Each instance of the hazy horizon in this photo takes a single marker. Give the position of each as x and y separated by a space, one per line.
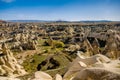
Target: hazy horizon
55 20
66 10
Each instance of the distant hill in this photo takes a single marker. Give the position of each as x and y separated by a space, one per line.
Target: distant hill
28 21
57 21
1 21
95 21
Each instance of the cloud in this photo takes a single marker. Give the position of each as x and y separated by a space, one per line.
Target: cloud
7 1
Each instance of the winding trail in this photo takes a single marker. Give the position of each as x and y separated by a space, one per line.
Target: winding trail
23 55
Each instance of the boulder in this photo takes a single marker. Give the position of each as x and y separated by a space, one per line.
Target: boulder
58 77
39 75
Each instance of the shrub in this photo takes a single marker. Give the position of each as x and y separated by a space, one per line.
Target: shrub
46 43
58 44
54 44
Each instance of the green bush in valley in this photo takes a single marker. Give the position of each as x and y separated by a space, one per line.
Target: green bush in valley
54 44
58 44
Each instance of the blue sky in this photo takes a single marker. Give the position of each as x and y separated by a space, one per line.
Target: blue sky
73 10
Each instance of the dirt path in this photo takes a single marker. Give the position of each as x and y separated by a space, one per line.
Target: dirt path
23 55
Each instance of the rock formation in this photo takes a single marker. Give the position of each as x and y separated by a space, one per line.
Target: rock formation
96 74
96 67
24 42
73 48
113 44
8 78
58 77
39 75
8 64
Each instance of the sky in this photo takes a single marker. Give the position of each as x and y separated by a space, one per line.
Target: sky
70 10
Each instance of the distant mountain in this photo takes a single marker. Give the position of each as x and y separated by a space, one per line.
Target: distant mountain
87 21
27 21
36 21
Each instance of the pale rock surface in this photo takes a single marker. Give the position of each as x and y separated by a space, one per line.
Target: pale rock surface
8 78
97 67
8 64
39 75
81 63
96 74
58 77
